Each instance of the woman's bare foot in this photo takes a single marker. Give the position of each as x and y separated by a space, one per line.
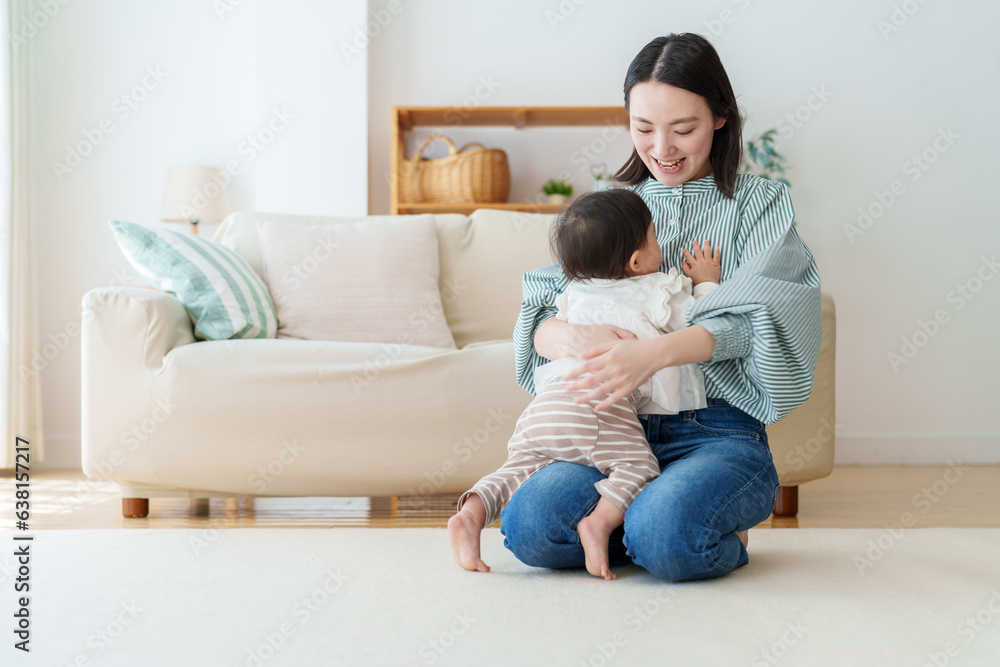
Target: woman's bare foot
464 530
595 531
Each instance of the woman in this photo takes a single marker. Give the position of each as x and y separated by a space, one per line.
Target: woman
756 337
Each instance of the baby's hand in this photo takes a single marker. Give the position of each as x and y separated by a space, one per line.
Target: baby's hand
703 265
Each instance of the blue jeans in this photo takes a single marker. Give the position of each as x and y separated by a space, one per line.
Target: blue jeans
717 478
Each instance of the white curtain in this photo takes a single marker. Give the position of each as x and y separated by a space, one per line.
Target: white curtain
20 391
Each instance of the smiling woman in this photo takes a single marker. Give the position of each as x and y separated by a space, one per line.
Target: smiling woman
756 337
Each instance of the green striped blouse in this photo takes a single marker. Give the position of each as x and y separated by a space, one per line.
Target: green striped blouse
766 316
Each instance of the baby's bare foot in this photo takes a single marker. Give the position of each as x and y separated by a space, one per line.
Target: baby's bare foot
463 532
594 535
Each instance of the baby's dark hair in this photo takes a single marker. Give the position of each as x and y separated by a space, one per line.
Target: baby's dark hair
596 235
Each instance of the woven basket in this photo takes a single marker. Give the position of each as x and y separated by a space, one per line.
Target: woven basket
479 176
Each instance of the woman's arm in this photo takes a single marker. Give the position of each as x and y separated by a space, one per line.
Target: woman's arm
555 338
621 367
539 337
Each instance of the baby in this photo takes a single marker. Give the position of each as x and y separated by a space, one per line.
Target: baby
606 244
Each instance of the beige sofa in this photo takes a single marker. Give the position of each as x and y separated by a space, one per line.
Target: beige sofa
164 415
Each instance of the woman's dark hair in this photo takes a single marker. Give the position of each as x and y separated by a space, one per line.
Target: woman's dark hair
690 62
596 235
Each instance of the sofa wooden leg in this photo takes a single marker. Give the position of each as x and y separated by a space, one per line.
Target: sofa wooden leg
198 506
135 508
786 503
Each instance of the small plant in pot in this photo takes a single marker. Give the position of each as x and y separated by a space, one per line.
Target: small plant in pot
558 192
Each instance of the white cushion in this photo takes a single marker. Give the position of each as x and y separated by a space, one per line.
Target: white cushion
374 281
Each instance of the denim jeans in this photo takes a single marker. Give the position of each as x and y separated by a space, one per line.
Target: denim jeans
717 478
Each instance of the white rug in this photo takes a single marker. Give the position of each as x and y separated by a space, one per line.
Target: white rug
357 596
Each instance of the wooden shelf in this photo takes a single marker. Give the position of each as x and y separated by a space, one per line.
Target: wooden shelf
458 207
405 119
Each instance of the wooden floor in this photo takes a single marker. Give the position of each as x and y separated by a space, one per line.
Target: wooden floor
851 497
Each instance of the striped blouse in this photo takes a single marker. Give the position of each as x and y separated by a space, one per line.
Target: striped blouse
766 316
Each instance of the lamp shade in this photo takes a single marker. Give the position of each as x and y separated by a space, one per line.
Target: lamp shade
195 193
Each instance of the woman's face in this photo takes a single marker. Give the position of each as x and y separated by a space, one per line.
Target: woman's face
672 131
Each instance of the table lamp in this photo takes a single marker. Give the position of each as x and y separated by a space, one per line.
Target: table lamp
194 194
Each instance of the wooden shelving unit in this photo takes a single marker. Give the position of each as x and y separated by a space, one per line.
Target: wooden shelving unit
405 119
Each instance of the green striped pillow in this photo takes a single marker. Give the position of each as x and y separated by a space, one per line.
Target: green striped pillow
225 297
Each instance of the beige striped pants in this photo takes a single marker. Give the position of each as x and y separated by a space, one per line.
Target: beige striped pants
554 428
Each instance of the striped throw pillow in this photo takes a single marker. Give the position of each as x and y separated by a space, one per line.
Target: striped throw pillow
224 296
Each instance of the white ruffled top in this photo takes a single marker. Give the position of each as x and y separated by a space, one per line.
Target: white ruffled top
648 306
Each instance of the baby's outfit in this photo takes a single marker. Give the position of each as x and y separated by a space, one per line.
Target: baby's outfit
554 428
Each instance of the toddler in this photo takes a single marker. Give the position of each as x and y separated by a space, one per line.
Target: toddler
606 244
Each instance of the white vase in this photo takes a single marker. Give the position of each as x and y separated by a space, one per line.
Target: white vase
557 199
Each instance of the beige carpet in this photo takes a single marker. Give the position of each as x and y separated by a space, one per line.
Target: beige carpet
355 596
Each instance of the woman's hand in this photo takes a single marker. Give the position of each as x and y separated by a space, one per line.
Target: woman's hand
616 368
619 368
555 338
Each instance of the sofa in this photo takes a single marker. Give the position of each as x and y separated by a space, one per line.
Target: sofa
167 415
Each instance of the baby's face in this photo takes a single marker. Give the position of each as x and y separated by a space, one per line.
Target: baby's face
649 256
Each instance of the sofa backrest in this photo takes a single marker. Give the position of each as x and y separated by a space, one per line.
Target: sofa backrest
482 259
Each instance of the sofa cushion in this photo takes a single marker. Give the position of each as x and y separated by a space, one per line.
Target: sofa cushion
373 281
223 295
483 260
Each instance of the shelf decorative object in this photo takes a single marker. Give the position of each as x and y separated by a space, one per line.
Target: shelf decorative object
405 119
478 176
557 192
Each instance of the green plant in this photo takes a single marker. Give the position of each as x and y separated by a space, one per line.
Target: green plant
760 157
554 187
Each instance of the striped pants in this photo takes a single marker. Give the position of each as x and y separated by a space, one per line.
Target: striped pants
554 428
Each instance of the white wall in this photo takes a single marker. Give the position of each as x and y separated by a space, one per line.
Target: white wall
222 76
889 98
879 95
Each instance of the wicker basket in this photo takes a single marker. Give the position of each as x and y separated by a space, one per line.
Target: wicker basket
479 176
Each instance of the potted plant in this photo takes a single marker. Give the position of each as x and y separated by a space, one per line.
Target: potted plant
762 158
557 191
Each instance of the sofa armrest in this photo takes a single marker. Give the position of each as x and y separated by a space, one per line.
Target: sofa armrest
126 333
804 440
141 324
